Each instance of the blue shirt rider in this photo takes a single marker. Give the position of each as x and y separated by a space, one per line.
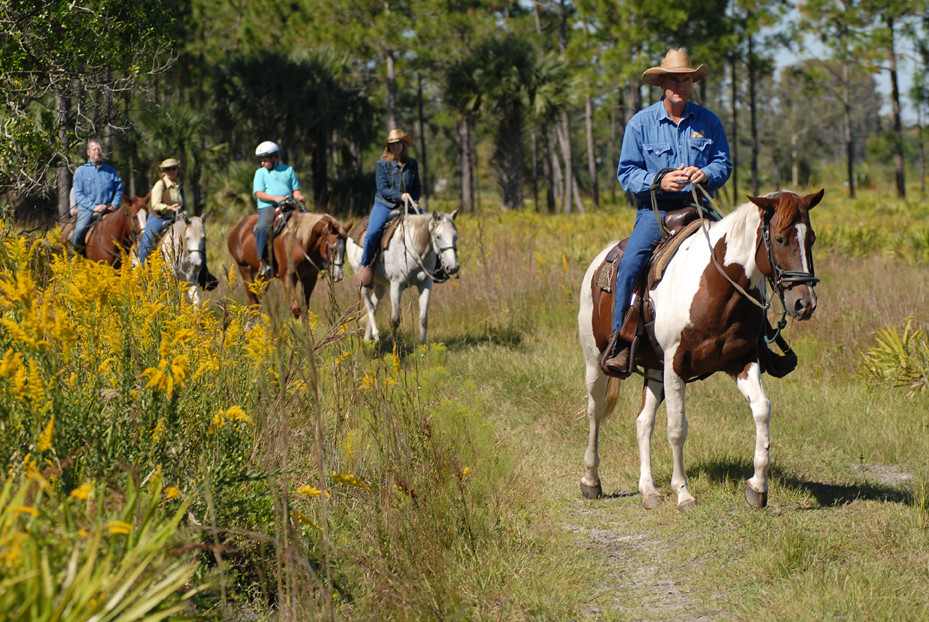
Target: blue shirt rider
673 133
97 188
273 184
397 178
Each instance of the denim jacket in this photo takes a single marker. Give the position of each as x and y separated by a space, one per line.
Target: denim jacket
652 141
393 180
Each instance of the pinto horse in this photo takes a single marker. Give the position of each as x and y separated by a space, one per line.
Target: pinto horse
184 250
421 244
309 244
707 318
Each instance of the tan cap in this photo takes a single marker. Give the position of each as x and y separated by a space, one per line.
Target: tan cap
675 61
169 163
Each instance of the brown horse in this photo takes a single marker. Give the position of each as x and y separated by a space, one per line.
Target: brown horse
114 233
309 244
707 317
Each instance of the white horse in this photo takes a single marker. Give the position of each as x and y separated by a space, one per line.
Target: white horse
412 257
707 318
184 250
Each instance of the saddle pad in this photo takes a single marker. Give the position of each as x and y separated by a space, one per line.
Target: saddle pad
665 253
605 277
360 230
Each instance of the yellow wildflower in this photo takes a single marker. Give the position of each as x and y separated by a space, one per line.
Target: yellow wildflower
25 509
538 257
119 527
45 438
235 413
172 493
159 430
309 491
303 518
82 492
349 480
465 471
218 422
564 263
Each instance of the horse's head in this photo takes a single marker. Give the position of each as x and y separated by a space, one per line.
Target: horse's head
444 235
788 240
333 249
195 243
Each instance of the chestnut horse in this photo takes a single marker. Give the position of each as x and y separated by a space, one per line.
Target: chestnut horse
114 233
707 318
309 244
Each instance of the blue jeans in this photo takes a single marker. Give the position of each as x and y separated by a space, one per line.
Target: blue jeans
265 216
645 237
154 225
378 219
81 226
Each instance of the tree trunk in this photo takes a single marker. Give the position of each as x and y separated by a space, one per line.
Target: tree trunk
556 176
592 154
734 143
465 184
423 159
508 157
62 172
847 123
564 136
391 91
899 170
753 112
534 146
795 159
547 170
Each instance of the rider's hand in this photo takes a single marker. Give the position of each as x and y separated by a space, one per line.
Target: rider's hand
674 181
696 175
100 208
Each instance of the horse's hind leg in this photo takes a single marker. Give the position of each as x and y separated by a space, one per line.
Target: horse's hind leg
370 301
749 383
652 396
677 434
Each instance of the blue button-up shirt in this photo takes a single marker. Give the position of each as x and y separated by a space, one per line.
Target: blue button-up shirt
280 181
653 141
393 179
97 185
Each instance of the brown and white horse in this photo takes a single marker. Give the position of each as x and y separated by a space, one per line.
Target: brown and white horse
309 244
704 324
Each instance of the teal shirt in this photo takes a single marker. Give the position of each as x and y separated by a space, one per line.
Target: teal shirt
279 181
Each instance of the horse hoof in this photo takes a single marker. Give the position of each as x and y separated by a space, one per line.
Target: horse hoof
687 506
755 499
592 492
652 501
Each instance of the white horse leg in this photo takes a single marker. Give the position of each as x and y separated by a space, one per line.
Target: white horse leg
652 396
370 297
194 293
396 291
599 405
749 383
425 291
677 435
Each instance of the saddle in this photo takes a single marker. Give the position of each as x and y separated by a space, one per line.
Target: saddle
360 231
282 215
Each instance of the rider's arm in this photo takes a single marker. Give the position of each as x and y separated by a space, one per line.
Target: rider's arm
720 165
632 172
383 188
117 199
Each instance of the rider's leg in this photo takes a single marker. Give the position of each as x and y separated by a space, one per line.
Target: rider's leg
376 223
81 226
645 236
265 216
153 227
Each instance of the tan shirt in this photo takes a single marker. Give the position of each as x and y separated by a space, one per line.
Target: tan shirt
175 192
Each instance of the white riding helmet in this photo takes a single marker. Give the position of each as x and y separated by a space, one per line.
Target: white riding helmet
267 148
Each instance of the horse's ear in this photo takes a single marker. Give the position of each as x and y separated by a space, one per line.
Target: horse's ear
766 203
812 200
436 215
454 214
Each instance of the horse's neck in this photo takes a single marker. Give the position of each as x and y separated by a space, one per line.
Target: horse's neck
740 232
416 234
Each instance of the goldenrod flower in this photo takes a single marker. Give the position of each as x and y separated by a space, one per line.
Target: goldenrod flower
303 518
25 509
45 438
309 491
119 527
235 413
172 493
349 480
465 471
82 492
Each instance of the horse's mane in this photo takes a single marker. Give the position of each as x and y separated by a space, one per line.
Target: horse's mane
302 224
739 226
419 232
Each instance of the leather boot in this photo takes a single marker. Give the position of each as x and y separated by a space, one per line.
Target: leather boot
365 277
615 360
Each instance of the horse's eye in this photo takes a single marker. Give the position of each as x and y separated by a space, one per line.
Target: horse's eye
780 240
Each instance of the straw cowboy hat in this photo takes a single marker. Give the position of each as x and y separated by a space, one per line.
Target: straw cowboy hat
170 162
397 136
675 61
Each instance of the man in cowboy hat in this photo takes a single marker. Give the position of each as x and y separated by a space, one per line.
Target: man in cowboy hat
673 134
397 178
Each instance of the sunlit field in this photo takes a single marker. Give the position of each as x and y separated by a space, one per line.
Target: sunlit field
233 463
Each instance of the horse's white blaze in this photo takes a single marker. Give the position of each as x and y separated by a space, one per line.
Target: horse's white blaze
801 238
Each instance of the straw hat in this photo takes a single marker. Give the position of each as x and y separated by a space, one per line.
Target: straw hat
170 162
675 61
397 136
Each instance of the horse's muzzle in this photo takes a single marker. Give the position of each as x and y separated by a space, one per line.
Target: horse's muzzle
800 302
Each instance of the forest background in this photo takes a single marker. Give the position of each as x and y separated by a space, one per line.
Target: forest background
511 103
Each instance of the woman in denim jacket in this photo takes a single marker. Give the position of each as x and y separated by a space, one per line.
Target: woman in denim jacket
397 184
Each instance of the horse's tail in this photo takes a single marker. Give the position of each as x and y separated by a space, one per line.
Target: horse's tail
613 386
